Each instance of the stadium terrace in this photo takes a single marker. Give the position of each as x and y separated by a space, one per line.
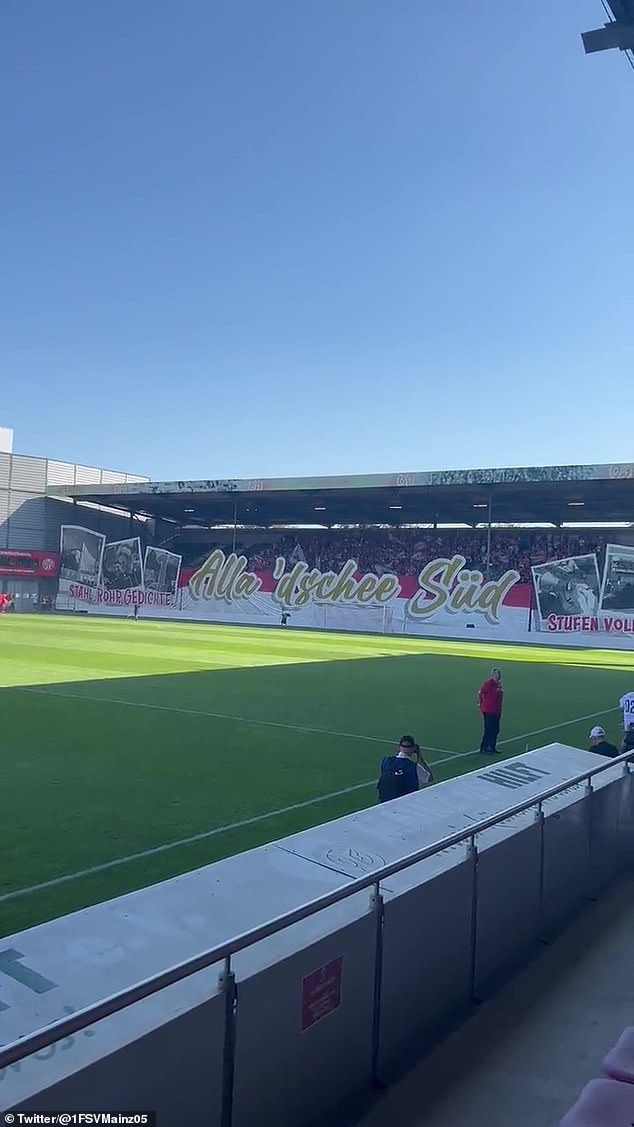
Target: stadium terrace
509 554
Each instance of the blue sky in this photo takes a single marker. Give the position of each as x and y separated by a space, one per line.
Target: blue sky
314 236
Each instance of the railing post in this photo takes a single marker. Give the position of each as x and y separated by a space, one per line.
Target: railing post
227 983
377 906
539 818
590 798
472 855
626 831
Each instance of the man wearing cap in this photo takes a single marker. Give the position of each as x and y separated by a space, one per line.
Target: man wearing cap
599 744
403 773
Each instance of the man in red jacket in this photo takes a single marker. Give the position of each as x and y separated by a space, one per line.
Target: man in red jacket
490 698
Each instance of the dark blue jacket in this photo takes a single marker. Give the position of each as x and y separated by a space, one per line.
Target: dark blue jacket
407 783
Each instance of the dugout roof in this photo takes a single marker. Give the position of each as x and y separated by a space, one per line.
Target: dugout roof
534 494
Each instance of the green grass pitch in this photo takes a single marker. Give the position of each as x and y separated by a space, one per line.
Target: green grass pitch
121 739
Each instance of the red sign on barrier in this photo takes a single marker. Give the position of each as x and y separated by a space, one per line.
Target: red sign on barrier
321 993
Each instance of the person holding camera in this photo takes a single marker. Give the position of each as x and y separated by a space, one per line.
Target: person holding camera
403 773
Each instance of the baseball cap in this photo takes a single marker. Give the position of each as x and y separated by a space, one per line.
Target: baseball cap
596 732
407 741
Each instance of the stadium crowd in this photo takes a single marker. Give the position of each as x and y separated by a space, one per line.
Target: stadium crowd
405 551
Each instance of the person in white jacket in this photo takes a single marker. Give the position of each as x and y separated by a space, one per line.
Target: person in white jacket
626 703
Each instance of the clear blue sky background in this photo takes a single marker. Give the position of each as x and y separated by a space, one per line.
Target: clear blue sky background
262 237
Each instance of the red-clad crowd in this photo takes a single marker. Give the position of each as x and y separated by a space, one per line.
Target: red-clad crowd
406 551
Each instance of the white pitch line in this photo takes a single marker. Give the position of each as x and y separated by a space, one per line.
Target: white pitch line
93 870
204 835
216 716
167 846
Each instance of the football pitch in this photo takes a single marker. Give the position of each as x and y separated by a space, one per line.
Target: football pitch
134 751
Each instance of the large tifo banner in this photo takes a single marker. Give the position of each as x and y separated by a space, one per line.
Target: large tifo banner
95 575
446 598
573 597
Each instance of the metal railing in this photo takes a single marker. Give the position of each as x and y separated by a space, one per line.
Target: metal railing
223 952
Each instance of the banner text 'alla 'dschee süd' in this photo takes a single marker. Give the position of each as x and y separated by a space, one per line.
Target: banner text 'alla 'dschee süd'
442 583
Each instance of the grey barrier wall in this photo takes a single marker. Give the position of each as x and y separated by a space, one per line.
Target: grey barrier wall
288 1065
304 1020
626 821
170 1063
507 923
427 978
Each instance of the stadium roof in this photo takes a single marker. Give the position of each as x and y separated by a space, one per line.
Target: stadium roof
534 494
618 32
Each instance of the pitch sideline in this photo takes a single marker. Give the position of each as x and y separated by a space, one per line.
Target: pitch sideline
166 847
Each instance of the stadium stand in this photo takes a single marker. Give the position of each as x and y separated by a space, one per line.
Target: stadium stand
385 971
405 551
